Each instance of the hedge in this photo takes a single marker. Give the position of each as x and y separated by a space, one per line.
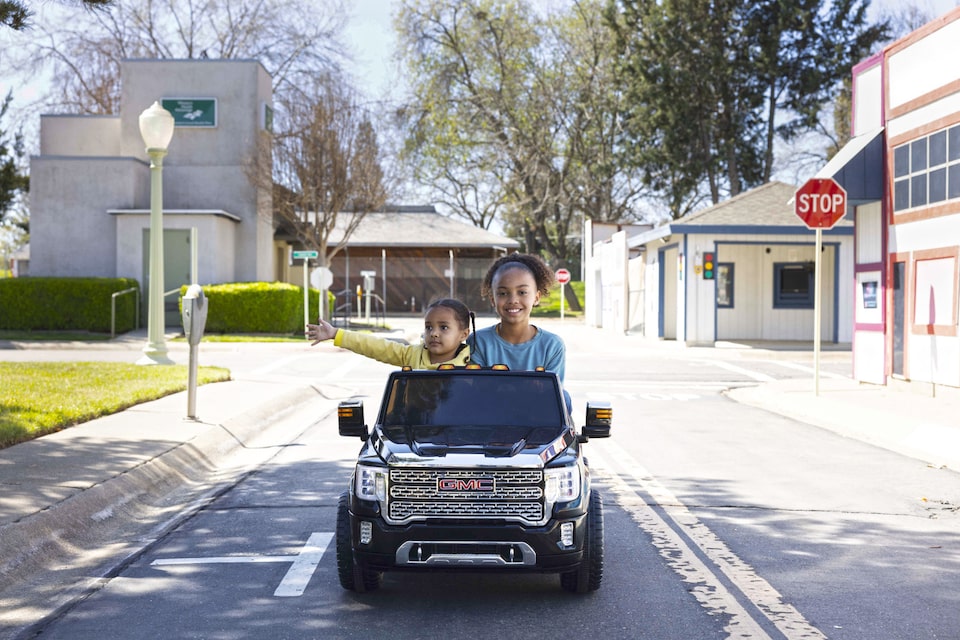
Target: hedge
78 304
83 304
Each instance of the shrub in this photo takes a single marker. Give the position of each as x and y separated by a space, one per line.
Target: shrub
54 304
256 307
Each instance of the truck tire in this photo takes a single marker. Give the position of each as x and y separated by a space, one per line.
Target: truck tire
353 577
587 577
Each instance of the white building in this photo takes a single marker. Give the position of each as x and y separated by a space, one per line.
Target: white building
760 287
892 288
906 100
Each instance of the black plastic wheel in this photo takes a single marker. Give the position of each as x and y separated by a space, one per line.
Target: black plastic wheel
353 577
587 576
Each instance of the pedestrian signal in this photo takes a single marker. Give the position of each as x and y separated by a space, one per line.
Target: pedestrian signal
709 266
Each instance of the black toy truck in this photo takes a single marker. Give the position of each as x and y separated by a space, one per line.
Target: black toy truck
471 469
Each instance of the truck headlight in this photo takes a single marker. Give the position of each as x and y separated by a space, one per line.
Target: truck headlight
371 483
562 484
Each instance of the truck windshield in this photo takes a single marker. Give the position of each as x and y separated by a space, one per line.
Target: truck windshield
482 400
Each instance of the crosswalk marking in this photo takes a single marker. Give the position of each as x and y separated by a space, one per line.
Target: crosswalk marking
294 583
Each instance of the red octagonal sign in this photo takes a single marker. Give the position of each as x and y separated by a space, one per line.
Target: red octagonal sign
820 203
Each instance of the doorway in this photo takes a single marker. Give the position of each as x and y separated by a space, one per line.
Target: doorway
176 271
899 315
669 275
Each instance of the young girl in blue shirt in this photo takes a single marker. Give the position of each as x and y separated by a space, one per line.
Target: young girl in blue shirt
514 284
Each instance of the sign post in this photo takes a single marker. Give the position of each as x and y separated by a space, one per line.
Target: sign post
820 203
563 277
306 256
321 279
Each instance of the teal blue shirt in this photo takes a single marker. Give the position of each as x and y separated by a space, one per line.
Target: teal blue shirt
545 350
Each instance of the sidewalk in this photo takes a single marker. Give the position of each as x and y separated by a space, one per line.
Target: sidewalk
907 422
63 495
81 500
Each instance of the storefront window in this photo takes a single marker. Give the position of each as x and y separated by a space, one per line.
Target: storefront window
793 285
927 170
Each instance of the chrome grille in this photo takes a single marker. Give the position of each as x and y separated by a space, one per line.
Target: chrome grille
424 492
517 495
430 476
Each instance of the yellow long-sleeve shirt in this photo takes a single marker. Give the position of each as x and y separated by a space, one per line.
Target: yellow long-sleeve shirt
415 356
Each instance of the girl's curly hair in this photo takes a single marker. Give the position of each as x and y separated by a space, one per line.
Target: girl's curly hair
542 274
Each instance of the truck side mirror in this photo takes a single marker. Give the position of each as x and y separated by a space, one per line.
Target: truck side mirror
350 419
599 419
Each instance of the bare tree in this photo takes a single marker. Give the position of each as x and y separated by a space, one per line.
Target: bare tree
327 167
83 53
513 117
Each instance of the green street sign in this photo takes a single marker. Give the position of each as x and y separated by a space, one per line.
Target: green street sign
192 112
305 255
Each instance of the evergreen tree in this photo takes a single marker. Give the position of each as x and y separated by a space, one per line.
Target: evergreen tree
13 180
714 83
16 15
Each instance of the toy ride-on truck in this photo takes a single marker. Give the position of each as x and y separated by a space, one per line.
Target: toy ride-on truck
471 470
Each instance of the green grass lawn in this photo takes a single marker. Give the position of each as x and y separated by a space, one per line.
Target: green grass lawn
37 398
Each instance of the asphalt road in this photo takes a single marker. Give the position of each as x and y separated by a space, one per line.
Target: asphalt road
722 520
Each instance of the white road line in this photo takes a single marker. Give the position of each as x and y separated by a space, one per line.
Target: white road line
295 582
165 562
671 397
801 367
759 377
276 364
707 588
647 384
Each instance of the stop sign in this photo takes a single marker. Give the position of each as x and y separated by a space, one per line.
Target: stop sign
563 276
820 203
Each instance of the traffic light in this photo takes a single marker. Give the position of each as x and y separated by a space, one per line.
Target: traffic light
709 266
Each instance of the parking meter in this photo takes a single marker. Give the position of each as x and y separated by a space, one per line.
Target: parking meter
194 320
194 314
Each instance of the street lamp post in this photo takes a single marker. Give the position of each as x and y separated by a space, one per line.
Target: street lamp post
156 128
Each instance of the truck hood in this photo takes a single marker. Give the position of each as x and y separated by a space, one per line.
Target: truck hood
449 448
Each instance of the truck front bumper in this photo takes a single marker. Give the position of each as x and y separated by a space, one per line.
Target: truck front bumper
467 545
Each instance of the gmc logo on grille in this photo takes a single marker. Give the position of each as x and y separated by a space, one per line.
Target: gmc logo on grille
460 484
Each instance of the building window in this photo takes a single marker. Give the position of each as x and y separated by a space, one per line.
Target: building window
927 170
793 285
725 285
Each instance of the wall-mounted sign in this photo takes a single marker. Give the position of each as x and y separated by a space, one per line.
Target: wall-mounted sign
266 117
869 294
192 112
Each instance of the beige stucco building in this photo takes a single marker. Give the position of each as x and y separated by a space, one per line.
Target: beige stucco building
90 184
